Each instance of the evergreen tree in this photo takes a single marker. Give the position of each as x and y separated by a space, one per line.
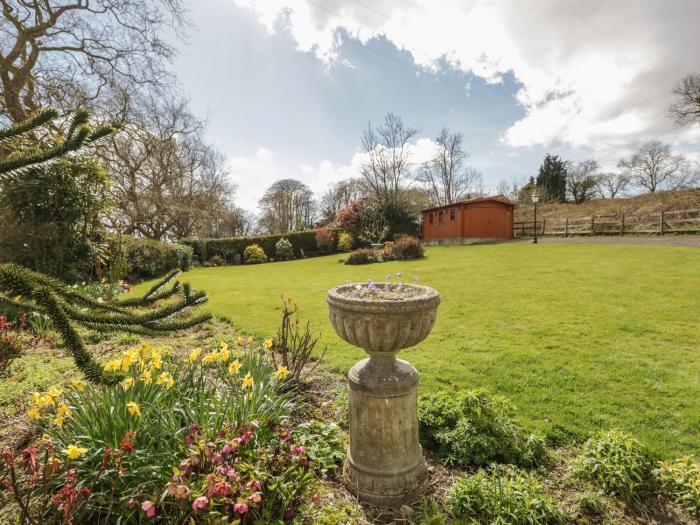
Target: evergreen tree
551 179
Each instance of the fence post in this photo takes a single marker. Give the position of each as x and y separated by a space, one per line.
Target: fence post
622 224
592 225
661 223
566 227
522 229
544 222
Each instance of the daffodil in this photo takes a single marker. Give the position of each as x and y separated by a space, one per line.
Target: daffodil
128 383
34 414
112 365
223 345
17 298
146 376
224 355
194 355
58 421
78 385
234 367
144 350
248 381
156 360
133 408
44 400
54 392
165 379
211 357
74 451
63 410
239 340
250 340
282 372
268 344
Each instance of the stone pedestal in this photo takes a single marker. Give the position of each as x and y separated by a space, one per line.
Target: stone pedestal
385 464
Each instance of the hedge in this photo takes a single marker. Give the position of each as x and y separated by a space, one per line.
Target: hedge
205 249
146 258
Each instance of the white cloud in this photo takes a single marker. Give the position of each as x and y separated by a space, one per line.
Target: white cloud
263 153
594 74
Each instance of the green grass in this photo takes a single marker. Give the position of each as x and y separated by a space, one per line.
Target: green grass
578 337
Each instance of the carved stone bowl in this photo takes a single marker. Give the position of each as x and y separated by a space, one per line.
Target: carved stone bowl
383 326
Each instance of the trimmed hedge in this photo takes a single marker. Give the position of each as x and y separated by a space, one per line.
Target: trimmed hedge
146 258
205 249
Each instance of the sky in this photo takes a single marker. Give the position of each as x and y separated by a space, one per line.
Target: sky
288 86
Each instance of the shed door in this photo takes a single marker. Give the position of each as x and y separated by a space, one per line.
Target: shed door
487 222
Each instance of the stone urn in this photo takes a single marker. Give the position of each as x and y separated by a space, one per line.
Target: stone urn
384 464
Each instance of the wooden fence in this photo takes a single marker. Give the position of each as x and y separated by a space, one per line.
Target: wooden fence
662 223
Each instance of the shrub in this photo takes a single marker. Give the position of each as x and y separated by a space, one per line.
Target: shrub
680 479
284 249
503 495
254 254
345 242
145 258
204 438
406 247
616 464
592 503
12 344
294 344
324 240
324 445
205 249
362 256
388 253
217 260
473 428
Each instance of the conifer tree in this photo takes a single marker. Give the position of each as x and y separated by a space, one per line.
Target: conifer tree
67 308
551 179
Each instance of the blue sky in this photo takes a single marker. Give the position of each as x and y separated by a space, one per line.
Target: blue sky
288 86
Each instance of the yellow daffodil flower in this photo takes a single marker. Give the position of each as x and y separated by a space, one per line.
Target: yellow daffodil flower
63 410
74 451
250 340
223 345
268 344
211 357
282 372
112 365
128 383
133 409
78 385
54 392
44 400
194 355
34 414
248 381
224 355
147 377
156 360
234 367
58 421
17 298
165 379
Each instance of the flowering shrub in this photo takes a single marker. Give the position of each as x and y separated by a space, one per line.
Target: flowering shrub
324 240
284 249
254 254
349 217
345 242
205 437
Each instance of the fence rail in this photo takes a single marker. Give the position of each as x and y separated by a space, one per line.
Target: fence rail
662 223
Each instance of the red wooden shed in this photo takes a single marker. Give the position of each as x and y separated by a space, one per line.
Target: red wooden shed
482 218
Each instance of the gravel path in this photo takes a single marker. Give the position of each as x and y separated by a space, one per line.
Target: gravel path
690 241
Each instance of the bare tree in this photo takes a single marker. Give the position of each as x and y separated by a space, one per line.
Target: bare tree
685 109
582 181
612 184
234 222
67 53
167 182
509 189
388 159
338 195
286 206
446 177
655 167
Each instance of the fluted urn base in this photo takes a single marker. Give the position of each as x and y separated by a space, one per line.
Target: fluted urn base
385 464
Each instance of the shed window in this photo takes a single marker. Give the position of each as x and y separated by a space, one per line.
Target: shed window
453 214
440 216
430 218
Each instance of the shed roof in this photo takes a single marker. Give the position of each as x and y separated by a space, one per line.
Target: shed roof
497 198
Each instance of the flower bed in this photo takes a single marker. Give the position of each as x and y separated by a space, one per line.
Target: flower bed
203 438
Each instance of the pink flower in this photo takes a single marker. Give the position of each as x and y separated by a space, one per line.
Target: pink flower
148 507
289 514
316 498
200 503
254 483
240 508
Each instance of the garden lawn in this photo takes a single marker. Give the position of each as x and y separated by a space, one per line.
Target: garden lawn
578 337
